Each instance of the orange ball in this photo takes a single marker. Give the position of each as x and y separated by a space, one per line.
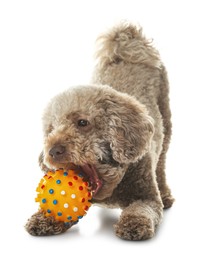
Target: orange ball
64 195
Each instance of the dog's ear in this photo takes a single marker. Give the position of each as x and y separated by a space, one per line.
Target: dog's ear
41 163
130 128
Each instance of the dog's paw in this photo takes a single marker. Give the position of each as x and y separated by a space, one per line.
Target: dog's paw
134 228
40 225
168 201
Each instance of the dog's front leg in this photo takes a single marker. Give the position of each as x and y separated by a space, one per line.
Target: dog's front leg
139 220
144 212
40 225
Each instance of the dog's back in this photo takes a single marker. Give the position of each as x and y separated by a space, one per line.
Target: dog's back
128 62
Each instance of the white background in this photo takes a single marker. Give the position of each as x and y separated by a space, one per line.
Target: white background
46 46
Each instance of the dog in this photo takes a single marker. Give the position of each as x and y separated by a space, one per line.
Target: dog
117 130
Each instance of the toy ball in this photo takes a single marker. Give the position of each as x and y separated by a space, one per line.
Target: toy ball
64 195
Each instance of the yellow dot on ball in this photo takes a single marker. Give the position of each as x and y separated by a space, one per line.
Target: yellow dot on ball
66 205
73 196
75 209
63 192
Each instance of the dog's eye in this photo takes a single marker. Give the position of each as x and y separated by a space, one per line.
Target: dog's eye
83 122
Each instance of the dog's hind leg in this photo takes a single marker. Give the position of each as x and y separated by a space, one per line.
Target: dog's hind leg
163 103
165 191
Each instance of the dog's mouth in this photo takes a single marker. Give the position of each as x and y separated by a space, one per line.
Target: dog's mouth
91 176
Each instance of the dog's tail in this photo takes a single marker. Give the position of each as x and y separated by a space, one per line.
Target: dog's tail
126 42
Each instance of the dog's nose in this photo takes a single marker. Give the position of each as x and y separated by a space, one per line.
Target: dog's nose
57 151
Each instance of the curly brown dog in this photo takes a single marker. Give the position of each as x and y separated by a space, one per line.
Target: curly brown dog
118 131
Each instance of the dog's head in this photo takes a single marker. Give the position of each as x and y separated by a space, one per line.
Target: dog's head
99 130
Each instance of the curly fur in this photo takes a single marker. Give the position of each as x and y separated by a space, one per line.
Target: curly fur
126 43
127 107
40 225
